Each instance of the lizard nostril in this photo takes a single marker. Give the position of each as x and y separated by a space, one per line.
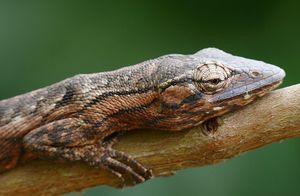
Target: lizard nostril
254 74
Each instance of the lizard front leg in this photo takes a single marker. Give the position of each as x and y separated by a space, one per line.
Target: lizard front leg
69 139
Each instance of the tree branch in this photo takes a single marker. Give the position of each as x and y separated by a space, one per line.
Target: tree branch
270 119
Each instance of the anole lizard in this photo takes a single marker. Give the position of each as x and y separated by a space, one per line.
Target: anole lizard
76 119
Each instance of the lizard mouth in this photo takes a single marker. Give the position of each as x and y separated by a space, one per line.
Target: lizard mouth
264 90
257 87
248 97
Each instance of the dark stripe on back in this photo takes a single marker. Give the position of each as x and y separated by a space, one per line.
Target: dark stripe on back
67 98
103 96
124 111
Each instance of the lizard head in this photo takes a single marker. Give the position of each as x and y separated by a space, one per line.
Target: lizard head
225 76
211 82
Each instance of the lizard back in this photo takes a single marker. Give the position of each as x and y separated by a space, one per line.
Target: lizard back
69 98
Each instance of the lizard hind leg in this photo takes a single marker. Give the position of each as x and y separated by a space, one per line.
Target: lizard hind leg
56 140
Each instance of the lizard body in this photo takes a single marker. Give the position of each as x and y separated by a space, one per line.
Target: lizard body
76 119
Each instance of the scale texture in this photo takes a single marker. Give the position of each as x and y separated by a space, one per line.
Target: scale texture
79 119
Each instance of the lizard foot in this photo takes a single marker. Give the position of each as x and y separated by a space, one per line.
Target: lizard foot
121 164
125 167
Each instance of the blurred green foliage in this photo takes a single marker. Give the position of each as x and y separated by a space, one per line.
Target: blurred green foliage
42 42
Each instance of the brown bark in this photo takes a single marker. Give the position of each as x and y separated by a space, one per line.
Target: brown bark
270 119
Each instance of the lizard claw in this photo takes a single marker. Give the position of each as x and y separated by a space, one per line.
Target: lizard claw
124 167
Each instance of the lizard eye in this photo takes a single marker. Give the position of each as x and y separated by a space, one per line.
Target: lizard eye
211 77
214 81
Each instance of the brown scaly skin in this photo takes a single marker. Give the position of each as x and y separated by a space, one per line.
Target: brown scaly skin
76 119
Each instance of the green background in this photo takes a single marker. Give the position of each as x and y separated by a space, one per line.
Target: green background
43 42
